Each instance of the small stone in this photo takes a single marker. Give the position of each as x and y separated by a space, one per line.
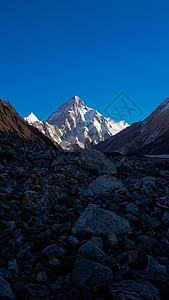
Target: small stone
112 239
132 208
147 241
165 218
13 266
54 262
128 257
42 277
11 225
55 227
24 249
34 291
154 266
143 200
73 241
54 288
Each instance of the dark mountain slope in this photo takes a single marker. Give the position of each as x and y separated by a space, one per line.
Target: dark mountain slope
10 121
150 136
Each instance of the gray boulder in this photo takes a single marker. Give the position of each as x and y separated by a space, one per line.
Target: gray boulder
5 290
96 221
97 161
105 185
89 273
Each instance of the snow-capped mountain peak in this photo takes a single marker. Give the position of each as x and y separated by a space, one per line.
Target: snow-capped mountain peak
31 118
74 125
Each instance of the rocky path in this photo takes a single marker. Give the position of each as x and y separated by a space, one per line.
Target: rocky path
82 226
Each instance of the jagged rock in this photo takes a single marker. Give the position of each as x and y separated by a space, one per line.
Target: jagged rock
143 200
96 161
112 239
128 257
162 249
13 266
154 266
132 208
6 292
165 218
89 273
24 249
98 222
73 241
42 277
147 241
53 251
92 250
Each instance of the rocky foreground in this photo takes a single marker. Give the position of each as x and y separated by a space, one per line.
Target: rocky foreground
80 225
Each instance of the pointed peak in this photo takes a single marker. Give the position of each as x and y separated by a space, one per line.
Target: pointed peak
75 99
31 118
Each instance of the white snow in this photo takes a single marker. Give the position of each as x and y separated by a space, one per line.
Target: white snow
31 118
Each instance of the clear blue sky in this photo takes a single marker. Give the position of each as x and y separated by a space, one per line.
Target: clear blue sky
52 50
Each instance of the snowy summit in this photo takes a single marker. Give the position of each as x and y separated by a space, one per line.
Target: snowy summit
74 125
31 118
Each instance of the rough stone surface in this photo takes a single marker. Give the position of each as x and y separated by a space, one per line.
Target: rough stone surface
97 161
61 240
105 185
98 222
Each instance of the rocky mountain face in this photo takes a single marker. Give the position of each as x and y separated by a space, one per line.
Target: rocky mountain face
75 126
148 137
82 225
10 121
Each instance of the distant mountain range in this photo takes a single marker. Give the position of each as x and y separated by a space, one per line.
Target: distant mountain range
75 126
151 136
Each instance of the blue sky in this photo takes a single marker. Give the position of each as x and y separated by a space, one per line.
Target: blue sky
52 50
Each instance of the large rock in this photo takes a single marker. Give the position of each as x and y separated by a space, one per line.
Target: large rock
6 292
96 221
135 290
89 273
97 161
105 185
